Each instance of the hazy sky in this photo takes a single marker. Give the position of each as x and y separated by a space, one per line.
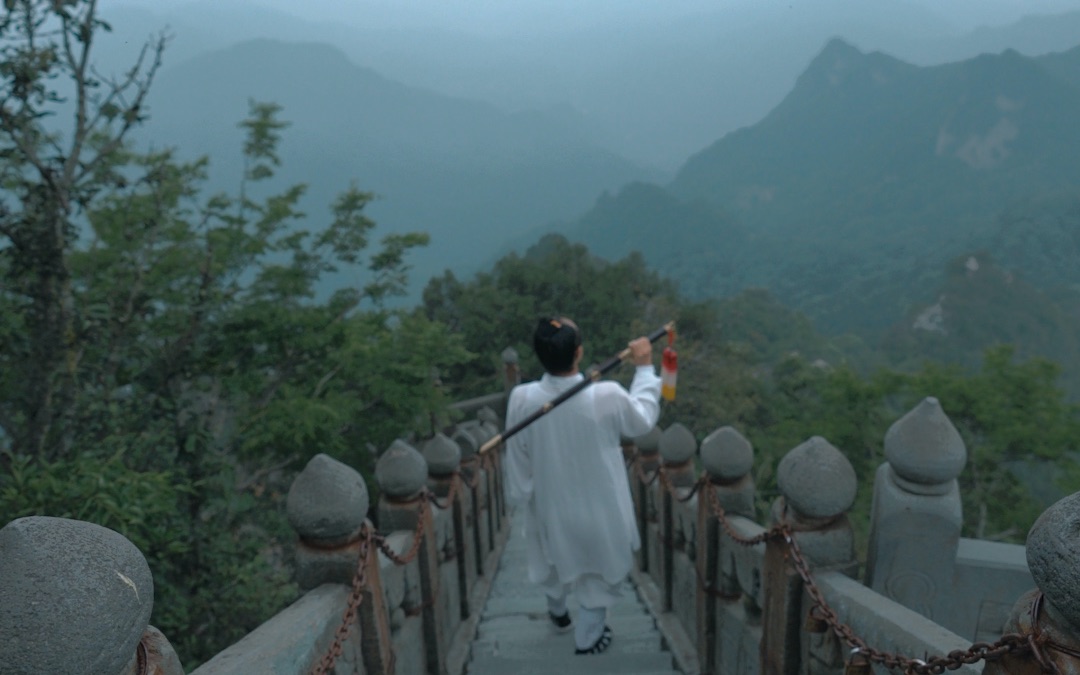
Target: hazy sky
500 17
656 79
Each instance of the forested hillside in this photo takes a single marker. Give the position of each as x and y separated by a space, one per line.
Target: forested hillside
850 199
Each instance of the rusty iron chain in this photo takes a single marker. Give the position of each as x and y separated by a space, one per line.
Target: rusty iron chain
447 501
665 479
1012 643
142 658
359 582
648 480
418 538
356 596
474 464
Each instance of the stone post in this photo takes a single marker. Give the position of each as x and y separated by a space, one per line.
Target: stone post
76 597
648 461
402 475
1052 611
327 505
511 369
483 432
677 448
443 457
916 515
470 473
817 485
486 503
727 458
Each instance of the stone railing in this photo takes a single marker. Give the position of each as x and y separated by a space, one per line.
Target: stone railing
413 591
785 599
734 596
405 601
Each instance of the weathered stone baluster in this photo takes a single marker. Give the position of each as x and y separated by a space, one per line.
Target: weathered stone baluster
402 474
76 597
492 425
485 431
473 429
327 506
470 473
677 448
727 458
648 461
817 485
916 516
511 370
443 457
1050 612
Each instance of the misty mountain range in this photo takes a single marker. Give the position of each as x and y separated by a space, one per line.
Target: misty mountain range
844 186
848 199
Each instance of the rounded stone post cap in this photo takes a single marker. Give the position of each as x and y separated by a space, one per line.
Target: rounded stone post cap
727 454
677 444
509 355
924 447
469 446
73 593
443 456
649 442
401 472
1053 555
327 500
488 416
816 479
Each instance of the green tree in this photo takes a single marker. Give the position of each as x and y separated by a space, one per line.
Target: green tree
166 361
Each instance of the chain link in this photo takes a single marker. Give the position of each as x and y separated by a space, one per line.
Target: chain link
359 582
326 664
447 501
1012 643
665 479
418 538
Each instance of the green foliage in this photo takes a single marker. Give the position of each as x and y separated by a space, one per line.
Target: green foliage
752 363
167 364
611 302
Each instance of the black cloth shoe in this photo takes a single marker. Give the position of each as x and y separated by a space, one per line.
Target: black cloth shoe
561 623
602 643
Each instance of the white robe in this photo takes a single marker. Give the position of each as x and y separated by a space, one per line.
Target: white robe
567 470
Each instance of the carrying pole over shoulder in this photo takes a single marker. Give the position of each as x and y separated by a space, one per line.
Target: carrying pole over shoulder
593 375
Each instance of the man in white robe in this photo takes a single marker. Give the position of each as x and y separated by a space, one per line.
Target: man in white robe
566 473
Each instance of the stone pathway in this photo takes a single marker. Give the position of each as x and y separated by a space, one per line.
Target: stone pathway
514 636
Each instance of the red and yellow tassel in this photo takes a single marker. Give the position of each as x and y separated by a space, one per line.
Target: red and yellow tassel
669 369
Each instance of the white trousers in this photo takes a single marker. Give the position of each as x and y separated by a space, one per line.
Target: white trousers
594 596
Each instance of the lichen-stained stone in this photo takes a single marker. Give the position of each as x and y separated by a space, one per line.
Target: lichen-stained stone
816 479
1053 555
401 472
726 454
328 500
443 456
76 597
677 445
924 447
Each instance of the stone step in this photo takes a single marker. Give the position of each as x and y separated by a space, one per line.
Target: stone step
524 624
509 605
572 664
515 635
537 645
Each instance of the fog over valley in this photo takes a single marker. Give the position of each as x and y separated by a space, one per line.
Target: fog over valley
839 154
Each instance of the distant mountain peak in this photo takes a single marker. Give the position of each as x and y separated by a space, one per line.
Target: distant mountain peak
840 63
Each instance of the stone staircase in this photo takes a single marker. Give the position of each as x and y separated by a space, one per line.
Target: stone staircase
515 637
